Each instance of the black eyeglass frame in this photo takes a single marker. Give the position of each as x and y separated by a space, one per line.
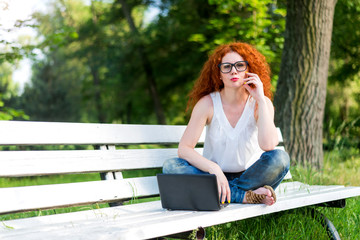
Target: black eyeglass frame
233 65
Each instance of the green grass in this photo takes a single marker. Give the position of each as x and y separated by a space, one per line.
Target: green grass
296 224
339 168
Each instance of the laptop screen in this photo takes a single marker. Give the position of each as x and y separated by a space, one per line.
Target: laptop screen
189 192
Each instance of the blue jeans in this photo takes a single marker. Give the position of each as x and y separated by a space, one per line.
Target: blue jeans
270 170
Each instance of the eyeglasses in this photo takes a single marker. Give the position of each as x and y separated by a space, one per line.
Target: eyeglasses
240 66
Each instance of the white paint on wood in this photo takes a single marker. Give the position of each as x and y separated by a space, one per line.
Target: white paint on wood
280 138
118 175
288 175
55 133
56 195
33 133
32 163
110 175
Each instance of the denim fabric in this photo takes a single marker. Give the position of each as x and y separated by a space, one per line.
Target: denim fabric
270 170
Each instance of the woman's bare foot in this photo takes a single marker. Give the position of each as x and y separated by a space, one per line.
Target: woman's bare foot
268 199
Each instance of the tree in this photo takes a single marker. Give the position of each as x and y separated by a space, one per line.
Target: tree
301 88
53 94
55 90
146 64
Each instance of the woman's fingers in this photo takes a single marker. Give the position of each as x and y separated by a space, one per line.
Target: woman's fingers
225 193
219 189
223 196
223 187
254 85
228 196
252 80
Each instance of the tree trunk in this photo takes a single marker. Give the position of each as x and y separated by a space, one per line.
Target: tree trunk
301 90
145 63
97 95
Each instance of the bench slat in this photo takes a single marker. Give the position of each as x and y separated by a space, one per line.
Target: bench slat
37 163
294 189
55 133
62 195
141 221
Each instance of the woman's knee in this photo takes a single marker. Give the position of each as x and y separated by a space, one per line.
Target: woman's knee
282 158
279 158
179 166
170 165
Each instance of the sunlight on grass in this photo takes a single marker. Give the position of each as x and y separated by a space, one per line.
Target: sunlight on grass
337 170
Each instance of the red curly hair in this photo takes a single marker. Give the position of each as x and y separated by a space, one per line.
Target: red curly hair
209 80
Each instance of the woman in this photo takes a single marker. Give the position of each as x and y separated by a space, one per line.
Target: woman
232 99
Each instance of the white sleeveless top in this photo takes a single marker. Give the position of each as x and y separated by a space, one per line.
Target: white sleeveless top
233 149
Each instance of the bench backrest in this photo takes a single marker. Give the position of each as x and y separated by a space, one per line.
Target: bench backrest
102 155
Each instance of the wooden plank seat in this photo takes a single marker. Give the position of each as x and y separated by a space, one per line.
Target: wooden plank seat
132 221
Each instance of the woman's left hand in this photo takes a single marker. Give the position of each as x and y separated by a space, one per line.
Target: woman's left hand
254 86
264 115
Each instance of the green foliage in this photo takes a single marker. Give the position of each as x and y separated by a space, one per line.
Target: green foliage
342 125
93 46
13 52
260 23
8 90
345 50
54 92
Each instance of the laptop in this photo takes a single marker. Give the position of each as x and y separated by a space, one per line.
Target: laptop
197 192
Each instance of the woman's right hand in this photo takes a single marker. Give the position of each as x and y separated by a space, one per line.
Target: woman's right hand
200 116
223 185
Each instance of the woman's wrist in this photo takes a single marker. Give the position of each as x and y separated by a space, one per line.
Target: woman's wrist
262 101
213 168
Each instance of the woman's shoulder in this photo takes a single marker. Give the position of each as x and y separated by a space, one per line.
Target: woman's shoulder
204 106
204 102
208 100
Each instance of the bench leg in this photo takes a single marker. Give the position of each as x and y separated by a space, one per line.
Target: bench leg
335 204
319 217
326 223
103 176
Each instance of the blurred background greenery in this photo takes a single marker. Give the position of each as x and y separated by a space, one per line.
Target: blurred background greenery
96 61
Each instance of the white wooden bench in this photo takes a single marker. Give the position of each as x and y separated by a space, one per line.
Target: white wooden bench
131 221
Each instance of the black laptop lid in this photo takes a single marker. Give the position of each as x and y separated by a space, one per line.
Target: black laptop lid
189 192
